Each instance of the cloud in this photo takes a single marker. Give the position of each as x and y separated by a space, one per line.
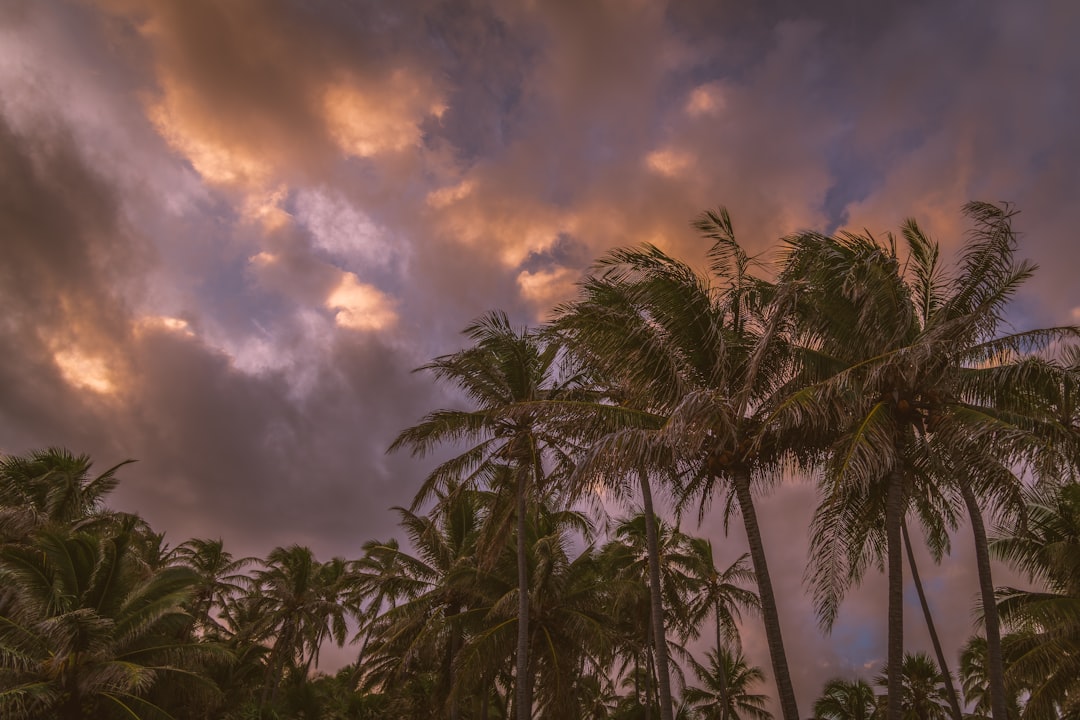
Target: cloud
360 306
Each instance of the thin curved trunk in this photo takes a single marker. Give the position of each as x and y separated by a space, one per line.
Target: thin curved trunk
995 667
894 517
950 691
722 679
770 615
524 712
663 678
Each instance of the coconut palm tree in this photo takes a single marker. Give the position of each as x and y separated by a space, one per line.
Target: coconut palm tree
727 682
502 370
51 487
430 592
297 603
974 680
924 394
570 627
626 560
922 688
1045 645
84 632
221 579
846 700
692 360
720 594
939 654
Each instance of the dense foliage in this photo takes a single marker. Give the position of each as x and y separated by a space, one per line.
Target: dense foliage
537 578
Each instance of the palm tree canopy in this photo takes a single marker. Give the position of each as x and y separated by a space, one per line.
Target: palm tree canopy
923 690
846 700
727 680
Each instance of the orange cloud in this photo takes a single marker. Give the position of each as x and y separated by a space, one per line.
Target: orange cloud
360 306
84 370
365 122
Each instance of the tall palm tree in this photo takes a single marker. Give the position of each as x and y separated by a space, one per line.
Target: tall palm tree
939 653
726 693
846 700
502 370
924 394
693 360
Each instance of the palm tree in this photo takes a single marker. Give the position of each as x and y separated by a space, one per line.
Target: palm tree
922 688
1045 645
503 370
570 628
950 691
974 680
297 603
720 593
693 361
430 592
220 580
51 487
727 682
924 396
846 700
627 560
85 633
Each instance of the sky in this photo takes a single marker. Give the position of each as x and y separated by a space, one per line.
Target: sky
229 231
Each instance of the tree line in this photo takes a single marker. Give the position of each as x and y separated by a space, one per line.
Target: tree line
540 581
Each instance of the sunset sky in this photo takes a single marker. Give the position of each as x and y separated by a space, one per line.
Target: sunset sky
230 229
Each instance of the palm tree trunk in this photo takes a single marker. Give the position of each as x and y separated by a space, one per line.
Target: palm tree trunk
722 684
521 690
950 691
451 670
995 665
894 517
663 677
650 669
770 615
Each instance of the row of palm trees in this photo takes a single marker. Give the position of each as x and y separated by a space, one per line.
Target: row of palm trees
893 378
100 618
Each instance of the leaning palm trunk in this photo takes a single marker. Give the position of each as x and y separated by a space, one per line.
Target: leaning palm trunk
663 678
946 676
994 662
894 518
524 711
769 613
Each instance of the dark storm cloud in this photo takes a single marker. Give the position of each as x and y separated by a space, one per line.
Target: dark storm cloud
227 453
63 249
